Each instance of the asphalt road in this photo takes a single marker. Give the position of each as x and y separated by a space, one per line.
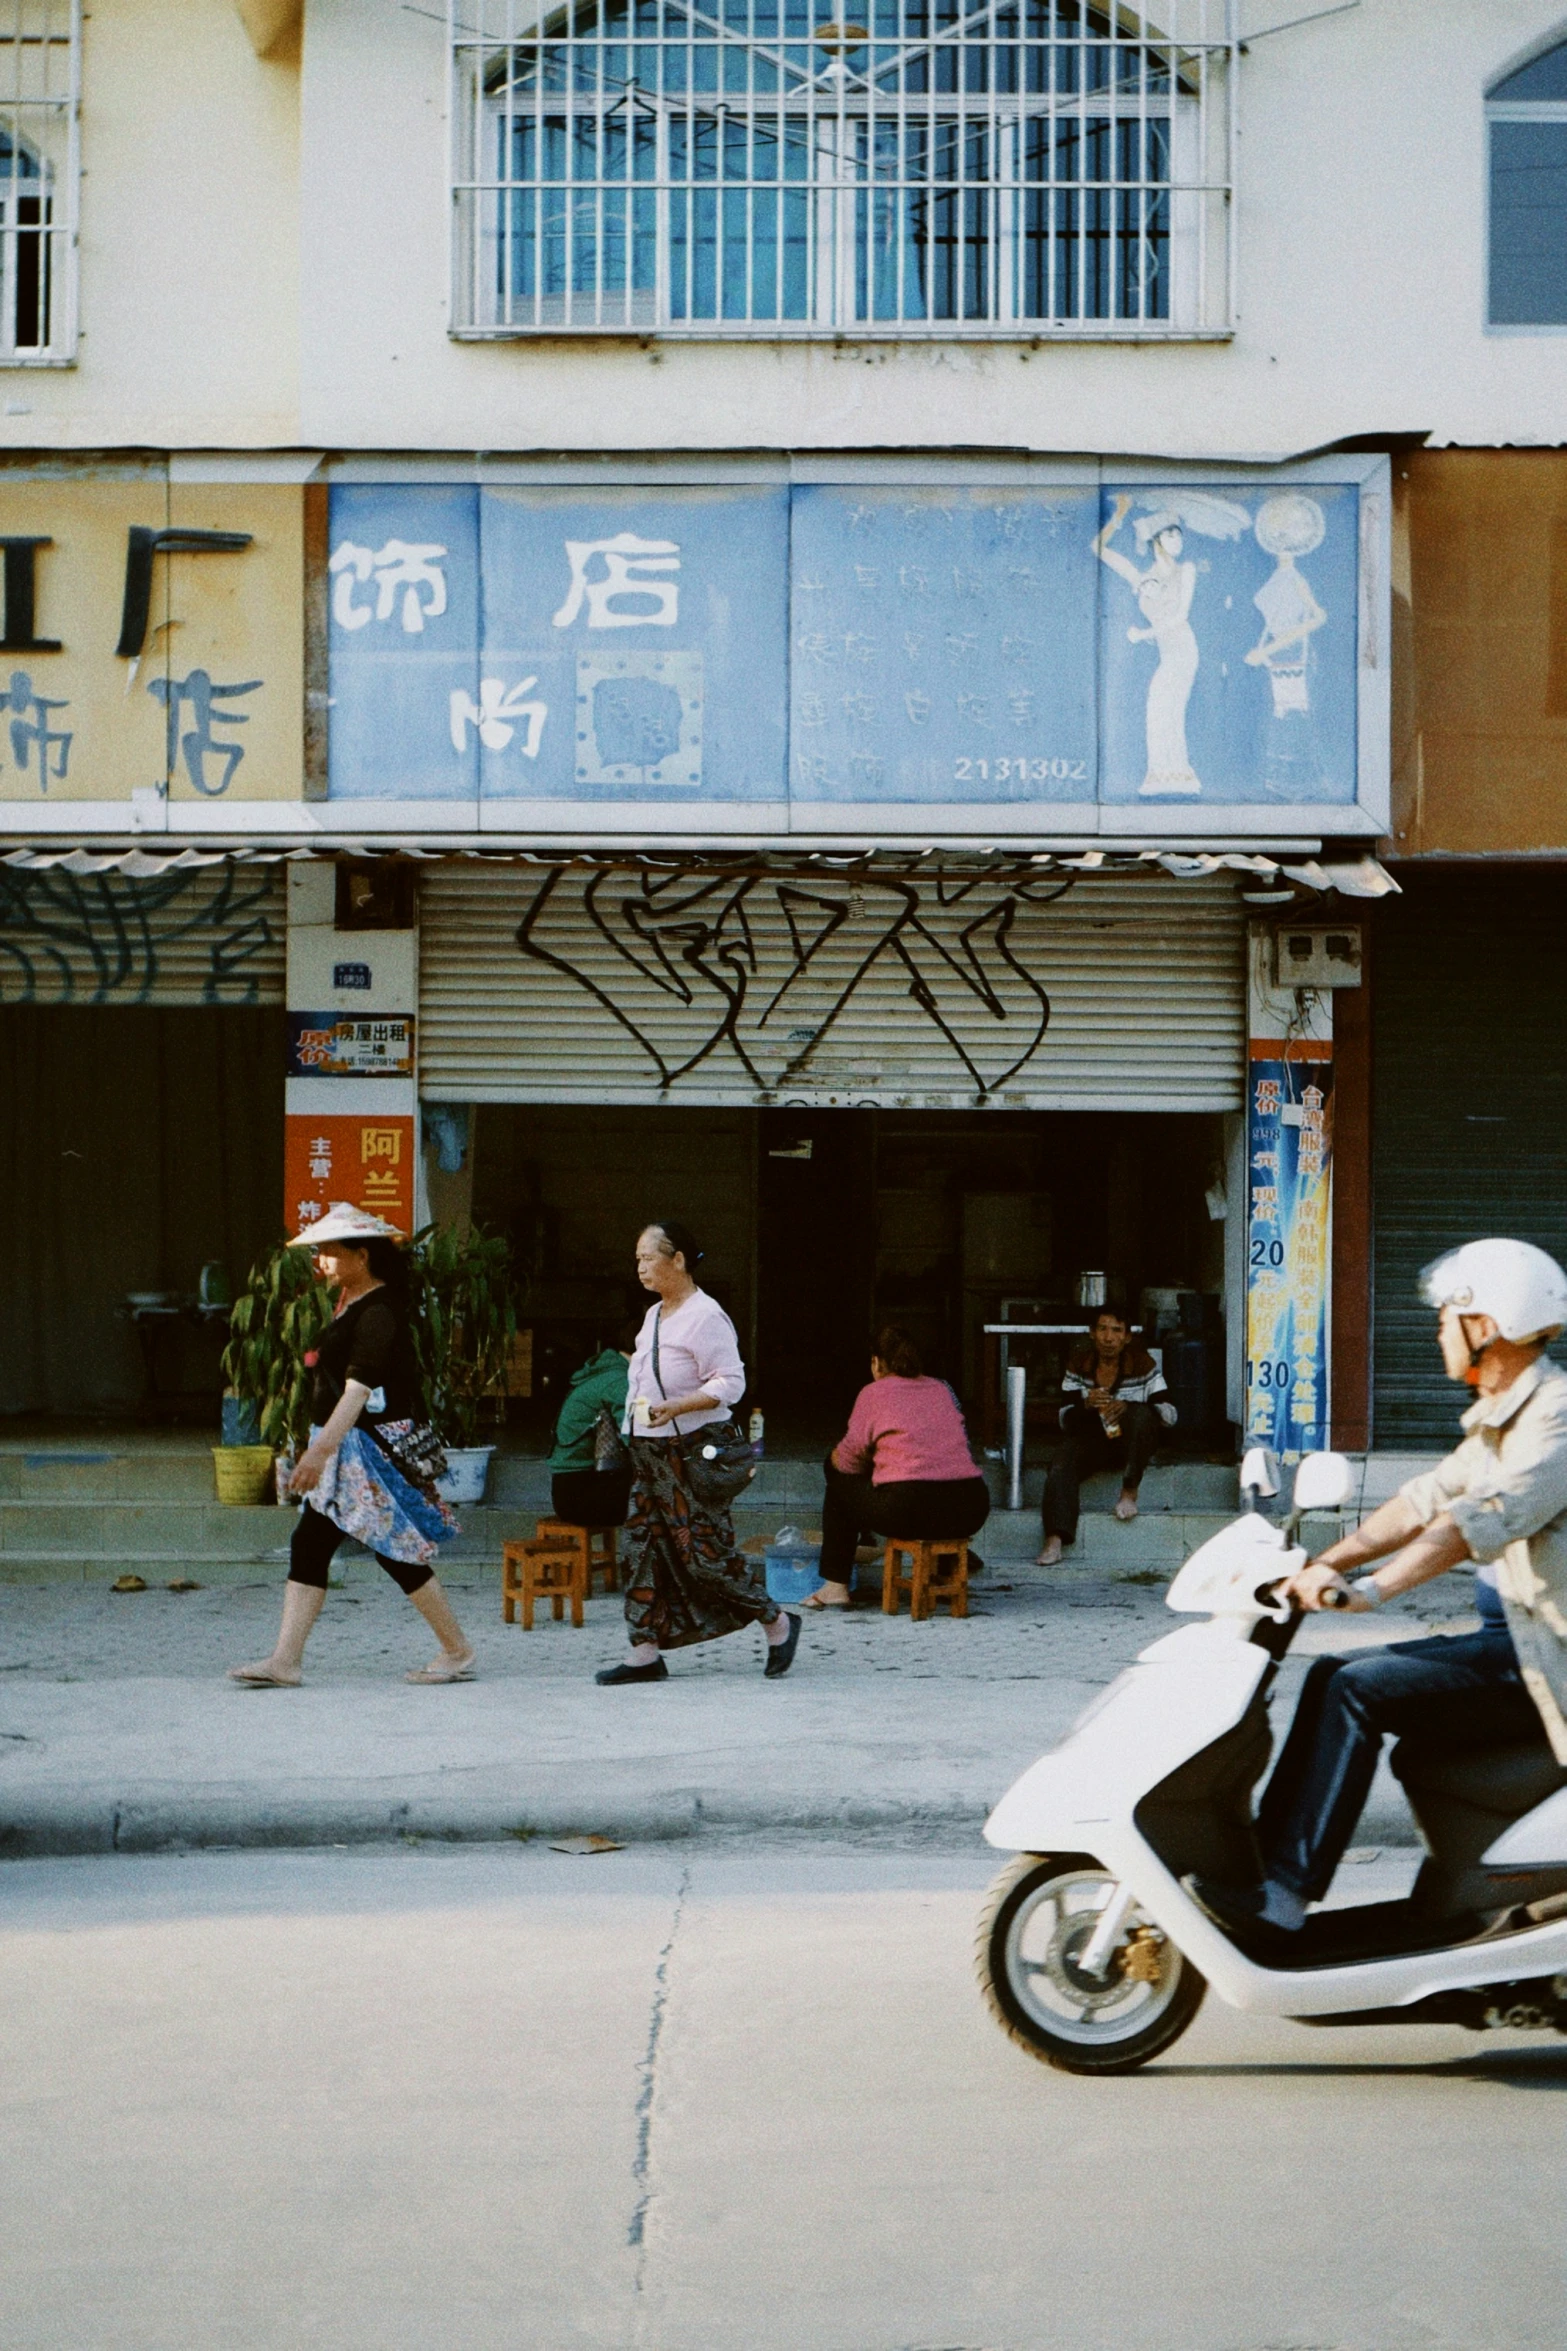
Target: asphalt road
704 2098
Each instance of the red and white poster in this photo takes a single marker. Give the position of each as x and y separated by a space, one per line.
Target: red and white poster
365 1159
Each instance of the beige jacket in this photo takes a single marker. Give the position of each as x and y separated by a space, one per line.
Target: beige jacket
1506 1487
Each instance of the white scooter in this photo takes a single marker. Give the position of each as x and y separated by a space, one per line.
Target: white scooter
1090 1944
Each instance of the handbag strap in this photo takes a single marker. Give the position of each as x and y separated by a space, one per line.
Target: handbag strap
658 1316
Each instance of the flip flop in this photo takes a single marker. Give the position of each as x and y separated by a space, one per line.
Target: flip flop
443 1670
257 1677
820 1606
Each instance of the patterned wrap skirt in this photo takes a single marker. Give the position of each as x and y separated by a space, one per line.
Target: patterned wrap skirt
685 1579
361 1492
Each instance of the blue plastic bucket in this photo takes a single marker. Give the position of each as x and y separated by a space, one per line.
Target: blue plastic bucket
793 1576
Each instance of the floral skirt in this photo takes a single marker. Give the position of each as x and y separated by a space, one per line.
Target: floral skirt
362 1493
685 1579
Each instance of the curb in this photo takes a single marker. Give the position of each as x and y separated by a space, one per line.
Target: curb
155 1820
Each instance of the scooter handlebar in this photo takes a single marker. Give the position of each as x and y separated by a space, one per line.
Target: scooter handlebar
1334 1597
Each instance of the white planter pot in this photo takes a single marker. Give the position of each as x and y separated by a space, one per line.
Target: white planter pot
467 1469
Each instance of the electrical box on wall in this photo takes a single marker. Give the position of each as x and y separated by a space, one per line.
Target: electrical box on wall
1318 958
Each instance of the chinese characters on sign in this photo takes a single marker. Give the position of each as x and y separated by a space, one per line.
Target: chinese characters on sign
149 657
368 1161
550 645
942 647
1153 645
1289 1144
350 1045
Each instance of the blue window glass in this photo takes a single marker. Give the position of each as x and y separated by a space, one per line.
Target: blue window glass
1527 126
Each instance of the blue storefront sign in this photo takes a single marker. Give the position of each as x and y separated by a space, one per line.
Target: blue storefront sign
1129 655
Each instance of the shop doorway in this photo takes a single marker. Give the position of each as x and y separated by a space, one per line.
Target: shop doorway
138 1144
816 1266
820 1225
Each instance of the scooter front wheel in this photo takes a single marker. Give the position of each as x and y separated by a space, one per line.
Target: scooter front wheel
1037 1922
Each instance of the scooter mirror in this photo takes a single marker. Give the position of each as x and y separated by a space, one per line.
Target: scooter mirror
1322 1482
1259 1474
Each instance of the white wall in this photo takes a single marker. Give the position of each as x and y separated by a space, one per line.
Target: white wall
264 263
1362 207
189 242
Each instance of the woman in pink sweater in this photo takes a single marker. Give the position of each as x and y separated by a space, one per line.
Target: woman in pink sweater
902 1467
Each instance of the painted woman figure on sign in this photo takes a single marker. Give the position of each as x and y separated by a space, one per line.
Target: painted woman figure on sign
1287 527
1164 596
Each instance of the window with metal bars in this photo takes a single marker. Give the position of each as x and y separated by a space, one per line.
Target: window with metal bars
40 84
764 167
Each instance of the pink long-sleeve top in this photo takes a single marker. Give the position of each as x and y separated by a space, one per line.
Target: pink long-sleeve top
698 1355
906 1431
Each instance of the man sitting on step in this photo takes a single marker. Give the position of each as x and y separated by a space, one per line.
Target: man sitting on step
1114 1408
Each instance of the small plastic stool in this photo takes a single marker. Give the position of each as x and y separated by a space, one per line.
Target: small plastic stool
545 1569
595 1546
938 1570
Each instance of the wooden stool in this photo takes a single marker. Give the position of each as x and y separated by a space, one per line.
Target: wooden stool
545 1569
595 1547
938 1570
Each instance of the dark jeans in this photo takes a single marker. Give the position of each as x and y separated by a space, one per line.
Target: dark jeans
591 1497
314 1541
1466 1689
1084 1448
852 1506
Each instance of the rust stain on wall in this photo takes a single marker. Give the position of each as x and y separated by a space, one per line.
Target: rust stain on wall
1480 730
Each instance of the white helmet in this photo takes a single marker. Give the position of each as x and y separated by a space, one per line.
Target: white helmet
1522 1289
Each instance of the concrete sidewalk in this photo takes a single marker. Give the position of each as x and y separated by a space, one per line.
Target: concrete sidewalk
118 1730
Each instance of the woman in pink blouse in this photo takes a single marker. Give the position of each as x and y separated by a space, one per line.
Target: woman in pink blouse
686 1579
902 1467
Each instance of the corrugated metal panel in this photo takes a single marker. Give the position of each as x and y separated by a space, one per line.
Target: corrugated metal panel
1105 993
210 936
1470 1107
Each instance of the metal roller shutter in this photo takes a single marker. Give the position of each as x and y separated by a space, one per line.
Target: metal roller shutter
1470 1126
1104 993
214 935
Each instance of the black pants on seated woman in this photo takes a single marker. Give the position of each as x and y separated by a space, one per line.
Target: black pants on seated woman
902 1467
853 1510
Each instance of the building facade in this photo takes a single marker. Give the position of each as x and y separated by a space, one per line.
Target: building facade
928 638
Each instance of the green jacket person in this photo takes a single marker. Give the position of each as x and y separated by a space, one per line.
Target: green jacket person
580 1493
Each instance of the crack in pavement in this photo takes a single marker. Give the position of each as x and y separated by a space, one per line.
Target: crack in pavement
647 2083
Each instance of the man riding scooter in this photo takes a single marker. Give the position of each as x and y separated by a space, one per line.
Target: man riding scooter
1500 1500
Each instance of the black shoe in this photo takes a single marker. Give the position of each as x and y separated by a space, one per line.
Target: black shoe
613 1676
780 1654
1238 1911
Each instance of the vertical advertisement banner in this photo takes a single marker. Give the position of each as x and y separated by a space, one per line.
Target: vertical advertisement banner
1289 1212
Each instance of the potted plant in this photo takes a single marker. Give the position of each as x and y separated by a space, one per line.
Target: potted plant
464 1320
278 1318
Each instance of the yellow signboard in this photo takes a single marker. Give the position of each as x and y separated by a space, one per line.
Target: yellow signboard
151 640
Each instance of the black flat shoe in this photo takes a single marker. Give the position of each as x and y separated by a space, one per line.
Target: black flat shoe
1238 1911
612 1677
780 1654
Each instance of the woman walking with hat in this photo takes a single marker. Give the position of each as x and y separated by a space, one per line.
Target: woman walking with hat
369 1469
685 1579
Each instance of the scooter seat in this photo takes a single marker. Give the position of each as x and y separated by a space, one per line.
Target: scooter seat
1508 1781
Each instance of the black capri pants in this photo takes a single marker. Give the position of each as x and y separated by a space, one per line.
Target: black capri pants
315 1540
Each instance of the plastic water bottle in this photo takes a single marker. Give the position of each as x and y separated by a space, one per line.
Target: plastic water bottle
756 1430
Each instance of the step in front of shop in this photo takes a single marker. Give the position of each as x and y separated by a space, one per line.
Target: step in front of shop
97 1542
